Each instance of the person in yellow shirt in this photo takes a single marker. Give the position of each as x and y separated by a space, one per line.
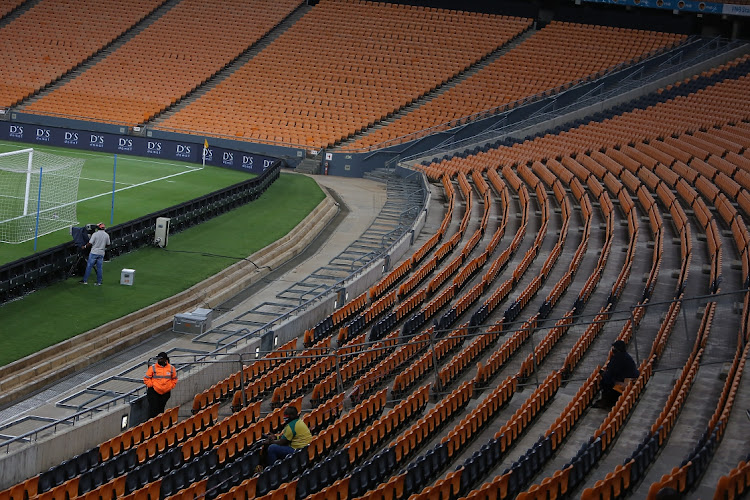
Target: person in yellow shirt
294 435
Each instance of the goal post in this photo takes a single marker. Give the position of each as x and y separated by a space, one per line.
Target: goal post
30 152
38 194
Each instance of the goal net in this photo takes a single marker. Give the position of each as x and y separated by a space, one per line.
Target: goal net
37 187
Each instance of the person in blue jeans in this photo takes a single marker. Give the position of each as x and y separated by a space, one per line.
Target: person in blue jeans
98 243
294 435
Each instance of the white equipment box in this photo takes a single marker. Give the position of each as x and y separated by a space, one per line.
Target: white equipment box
196 322
127 276
161 233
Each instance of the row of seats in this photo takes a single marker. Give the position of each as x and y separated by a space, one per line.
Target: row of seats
358 361
51 38
395 420
420 367
228 445
614 480
683 478
509 484
360 322
461 435
576 354
393 277
374 375
143 432
195 42
406 444
511 346
274 358
336 319
441 52
394 360
500 293
218 392
230 385
465 359
552 176
525 71
259 387
492 452
419 275
302 381
735 483
229 428
348 427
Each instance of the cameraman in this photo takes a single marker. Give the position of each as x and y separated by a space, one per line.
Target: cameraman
98 243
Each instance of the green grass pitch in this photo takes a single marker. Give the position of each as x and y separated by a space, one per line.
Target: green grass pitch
142 186
63 310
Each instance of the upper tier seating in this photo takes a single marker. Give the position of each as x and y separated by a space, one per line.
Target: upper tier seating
575 51
317 86
678 115
168 59
6 6
53 37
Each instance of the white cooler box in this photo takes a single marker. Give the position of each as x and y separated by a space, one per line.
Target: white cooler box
127 276
196 322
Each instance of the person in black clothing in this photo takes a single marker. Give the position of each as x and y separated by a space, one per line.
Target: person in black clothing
620 367
668 493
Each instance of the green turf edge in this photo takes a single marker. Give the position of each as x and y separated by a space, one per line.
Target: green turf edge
63 310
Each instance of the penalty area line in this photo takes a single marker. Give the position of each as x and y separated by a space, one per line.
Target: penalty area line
139 184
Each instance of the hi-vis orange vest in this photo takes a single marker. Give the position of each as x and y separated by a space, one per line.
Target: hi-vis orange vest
161 378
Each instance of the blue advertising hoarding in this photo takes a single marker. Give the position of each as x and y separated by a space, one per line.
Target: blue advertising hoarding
137 146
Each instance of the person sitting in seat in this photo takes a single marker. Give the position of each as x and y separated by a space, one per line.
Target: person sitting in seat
294 435
620 368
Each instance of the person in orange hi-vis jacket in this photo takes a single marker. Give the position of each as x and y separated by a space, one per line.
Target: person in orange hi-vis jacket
160 379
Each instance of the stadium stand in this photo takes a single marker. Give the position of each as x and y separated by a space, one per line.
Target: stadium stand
697 156
51 38
7 6
469 370
354 78
523 72
135 82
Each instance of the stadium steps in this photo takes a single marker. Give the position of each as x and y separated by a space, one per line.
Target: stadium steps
99 55
308 166
379 174
463 75
403 203
235 64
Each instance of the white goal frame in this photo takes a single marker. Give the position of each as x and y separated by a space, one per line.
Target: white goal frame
28 174
56 196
